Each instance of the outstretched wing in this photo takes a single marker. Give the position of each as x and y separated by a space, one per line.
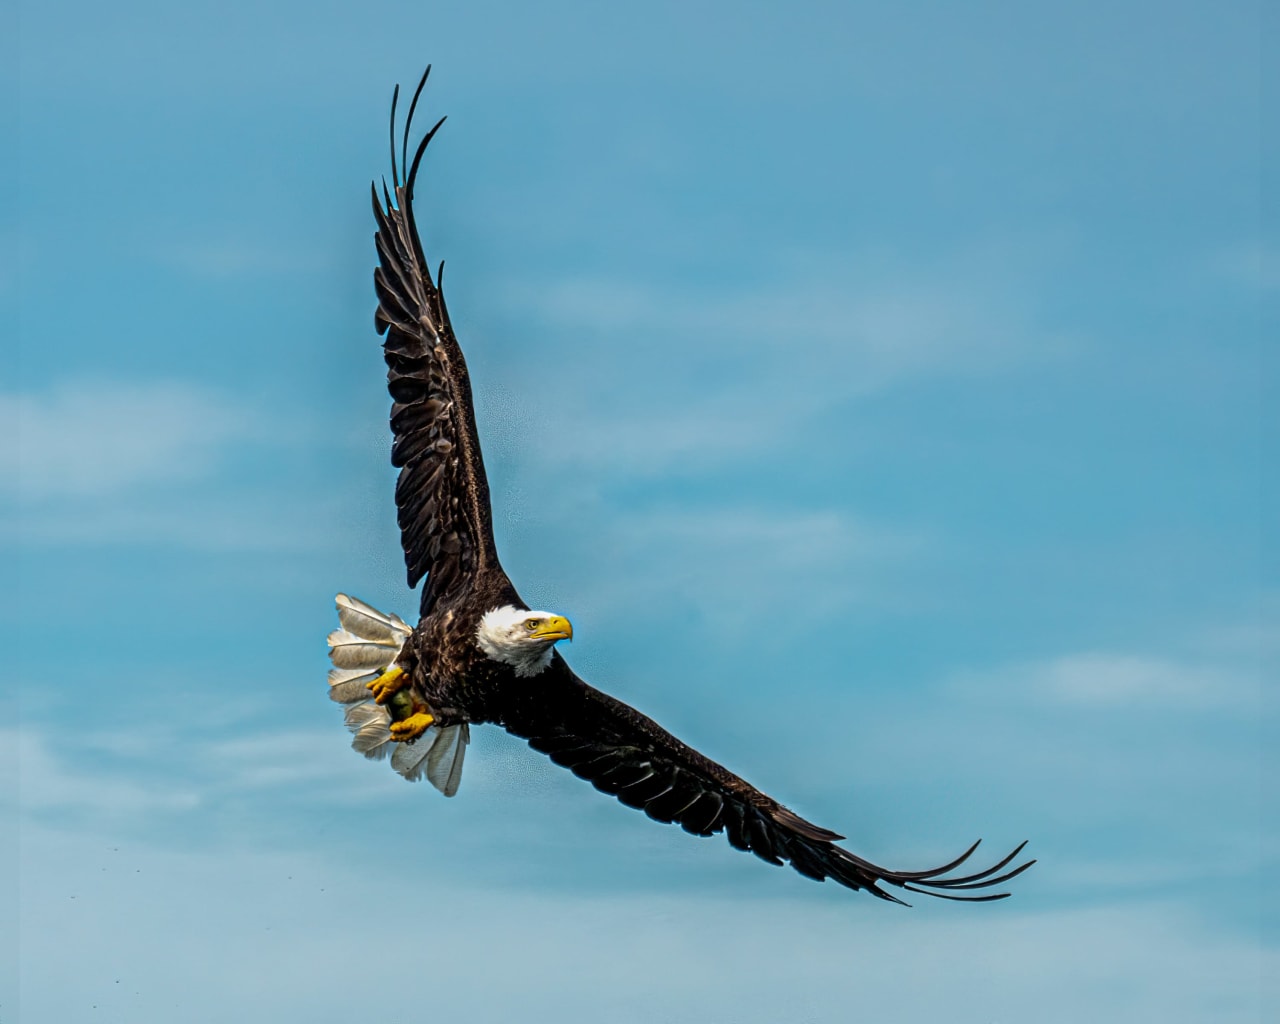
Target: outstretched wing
442 496
627 755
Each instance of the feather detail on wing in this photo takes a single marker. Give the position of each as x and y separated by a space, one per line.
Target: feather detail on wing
629 756
442 495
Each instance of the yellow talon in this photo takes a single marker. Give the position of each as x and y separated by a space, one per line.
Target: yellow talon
412 727
389 682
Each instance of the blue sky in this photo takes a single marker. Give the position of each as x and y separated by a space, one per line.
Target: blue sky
878 387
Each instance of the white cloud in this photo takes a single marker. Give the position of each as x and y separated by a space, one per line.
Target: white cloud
703 432
130 776
732 374
1114 680
110 462
51 782
734 562
869 335
1205 674
314 761
258 519
91 438
1076 747
806 540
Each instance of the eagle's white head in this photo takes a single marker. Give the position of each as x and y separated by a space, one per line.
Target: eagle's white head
521 638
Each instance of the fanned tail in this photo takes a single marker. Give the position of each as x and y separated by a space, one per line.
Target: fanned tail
366 645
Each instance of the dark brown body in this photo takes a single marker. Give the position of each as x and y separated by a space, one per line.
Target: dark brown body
458 681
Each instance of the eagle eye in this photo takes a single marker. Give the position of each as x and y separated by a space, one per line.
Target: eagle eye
530 624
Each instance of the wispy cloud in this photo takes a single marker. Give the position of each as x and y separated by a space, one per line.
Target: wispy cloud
250 519
1120 742
756 547
1211 667
53 782
733 371
91 438
312 761
784 562
153 462
133 776
870 336
695 434
1111 680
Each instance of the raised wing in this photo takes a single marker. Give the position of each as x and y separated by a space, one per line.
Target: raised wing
442 496
627 755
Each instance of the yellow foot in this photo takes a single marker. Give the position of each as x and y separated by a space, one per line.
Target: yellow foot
389 682
412 727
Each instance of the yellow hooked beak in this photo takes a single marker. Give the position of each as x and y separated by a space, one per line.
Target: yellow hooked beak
556 627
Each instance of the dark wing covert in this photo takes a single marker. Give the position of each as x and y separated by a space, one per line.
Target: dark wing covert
442 495
627 755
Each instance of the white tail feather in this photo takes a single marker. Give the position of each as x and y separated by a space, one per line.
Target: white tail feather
366 621
444 765
345 675
410 759
350 651
353 691
371 725
368 642
350 685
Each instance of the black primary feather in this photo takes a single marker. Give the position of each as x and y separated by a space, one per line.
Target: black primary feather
433 428
629 756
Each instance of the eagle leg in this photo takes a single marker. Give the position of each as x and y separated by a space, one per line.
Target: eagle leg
409 729
392 680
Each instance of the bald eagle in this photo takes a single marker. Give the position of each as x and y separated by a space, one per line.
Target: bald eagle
479 654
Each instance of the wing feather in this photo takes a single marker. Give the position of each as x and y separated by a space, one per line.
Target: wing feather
629 756
442 495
